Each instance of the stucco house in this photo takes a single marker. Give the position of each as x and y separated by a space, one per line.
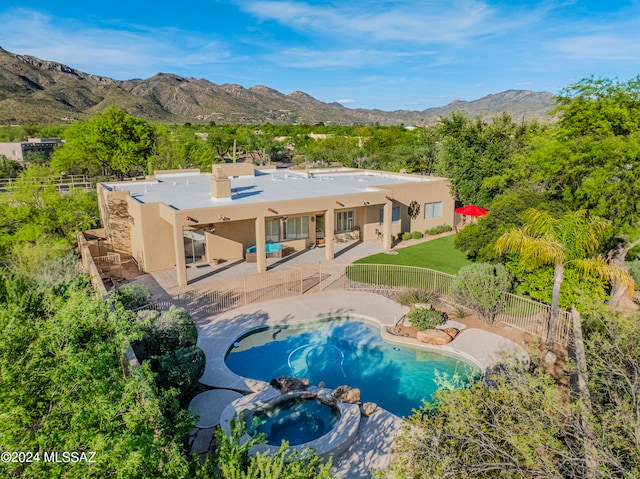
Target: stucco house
183 218
18 150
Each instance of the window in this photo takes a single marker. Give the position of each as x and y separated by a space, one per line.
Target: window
395 215
344 221
296 228
272 229
433 210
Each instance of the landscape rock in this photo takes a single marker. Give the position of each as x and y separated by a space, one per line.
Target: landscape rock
368 408
286 383
347 394
308 396
453 332
433 336
325 397
550 358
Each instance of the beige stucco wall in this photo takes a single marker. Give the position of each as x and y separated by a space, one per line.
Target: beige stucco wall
152 239
153 229
427 192
231 239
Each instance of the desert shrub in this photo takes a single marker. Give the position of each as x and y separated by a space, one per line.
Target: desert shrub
426 318
413 296
235 460
166 331
406 236
132 296
180 369
480 287
436 230
416 235
634 271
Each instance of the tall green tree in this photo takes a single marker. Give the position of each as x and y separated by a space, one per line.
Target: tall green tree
110 142
574 238
34 211
475 154
591 158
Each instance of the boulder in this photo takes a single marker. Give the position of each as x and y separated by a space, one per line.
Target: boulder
308 396
325 397
347 394
433 336
286 383
453 332
368 408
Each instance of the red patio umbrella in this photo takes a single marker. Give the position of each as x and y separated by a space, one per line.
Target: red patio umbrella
471 210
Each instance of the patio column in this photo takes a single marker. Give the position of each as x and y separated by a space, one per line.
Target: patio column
178 251
386 225
261 245
329 231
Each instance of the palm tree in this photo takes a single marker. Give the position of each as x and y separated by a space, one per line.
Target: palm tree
573 238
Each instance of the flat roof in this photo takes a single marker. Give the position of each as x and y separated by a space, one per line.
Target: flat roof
193 190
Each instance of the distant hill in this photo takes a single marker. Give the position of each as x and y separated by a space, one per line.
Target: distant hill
41 91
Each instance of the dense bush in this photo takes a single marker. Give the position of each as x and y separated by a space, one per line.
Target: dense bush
480 287
166 331
416 235
405 236
62 387
180 369
132 296
634 271
426 318
438 229
236 462
413 296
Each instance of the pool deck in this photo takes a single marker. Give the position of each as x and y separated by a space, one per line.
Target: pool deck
373 446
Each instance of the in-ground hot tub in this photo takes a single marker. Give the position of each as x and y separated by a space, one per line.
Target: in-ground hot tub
335 426
293 419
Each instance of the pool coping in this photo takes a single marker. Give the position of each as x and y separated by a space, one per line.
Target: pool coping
218 333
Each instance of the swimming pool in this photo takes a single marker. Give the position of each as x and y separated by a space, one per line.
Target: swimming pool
345 351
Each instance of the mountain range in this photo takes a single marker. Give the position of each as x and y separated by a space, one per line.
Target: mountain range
41 91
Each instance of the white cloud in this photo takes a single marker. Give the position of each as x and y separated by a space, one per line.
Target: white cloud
303 57
420 22
121 51
598 46
346 101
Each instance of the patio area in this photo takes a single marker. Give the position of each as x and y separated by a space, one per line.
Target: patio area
201 277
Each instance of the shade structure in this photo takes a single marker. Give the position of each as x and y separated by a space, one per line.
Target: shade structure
471 210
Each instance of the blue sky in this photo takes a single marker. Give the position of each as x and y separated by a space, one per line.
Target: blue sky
387 54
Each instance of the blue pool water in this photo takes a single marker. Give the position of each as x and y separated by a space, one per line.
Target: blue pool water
340 351
295 421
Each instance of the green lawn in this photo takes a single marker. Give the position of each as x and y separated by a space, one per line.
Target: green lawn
438 254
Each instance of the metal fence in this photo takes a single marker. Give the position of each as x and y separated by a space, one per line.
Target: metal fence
522 313
388 280
381 277
236 292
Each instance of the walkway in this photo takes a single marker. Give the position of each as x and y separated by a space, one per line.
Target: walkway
373 447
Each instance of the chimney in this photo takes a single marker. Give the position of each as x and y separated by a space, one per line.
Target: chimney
220 184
